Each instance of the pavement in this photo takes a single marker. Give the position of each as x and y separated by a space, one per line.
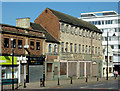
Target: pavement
62 83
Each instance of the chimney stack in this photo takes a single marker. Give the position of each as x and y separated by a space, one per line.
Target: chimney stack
23 22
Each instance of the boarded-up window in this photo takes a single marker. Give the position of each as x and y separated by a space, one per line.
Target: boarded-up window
87 69
55 70
94 70
63 68
72 67
81 69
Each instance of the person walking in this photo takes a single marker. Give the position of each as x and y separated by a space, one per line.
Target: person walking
116 73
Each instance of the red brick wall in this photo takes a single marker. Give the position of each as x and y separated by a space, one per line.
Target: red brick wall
16 50
50 22
36 52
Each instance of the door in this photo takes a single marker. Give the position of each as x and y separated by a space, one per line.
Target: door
49 71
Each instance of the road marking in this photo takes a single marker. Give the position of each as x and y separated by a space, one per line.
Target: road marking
84 87
98 85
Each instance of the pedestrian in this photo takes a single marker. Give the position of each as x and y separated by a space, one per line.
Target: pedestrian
116 73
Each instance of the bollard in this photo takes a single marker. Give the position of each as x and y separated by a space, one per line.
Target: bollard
97 79
58 82
24 83
41 82
86 79
71 81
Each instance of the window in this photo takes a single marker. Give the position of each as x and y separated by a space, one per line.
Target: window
37 45
66 49
75 48
66 28
89 49
110 69
75 30
6 42
92 49
95 50
98 50
62 47
108 21
19 44
118 46
50 48
13 44
71 30
83 32
82 48
62 27
70 47
106 58
112 46
110 58
102 22
31 45
86 49
55 48
80 33
79 48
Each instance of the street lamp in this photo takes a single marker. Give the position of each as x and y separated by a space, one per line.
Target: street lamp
27 76
12 64
107 54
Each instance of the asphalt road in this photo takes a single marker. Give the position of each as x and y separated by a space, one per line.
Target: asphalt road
115 84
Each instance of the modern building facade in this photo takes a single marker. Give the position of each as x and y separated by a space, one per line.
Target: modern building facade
107 21
108 58
80 51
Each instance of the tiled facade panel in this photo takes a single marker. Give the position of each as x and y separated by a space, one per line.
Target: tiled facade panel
50 22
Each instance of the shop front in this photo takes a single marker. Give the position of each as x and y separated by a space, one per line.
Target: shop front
75 65
36 68
6 69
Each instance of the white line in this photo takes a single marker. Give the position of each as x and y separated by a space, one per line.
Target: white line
84 87
98 85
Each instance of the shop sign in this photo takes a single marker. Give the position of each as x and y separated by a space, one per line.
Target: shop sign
7 60
72 56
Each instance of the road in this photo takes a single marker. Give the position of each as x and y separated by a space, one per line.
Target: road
115 84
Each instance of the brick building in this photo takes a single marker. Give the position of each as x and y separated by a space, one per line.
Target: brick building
51 45
80 43
24 59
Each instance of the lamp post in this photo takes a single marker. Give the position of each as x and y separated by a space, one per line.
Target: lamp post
107 58
27 76
12 64
107 54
